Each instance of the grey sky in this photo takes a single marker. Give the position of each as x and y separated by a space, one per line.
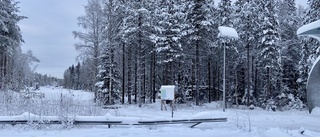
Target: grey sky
47 32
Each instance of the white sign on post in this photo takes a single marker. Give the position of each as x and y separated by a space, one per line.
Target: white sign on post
167 92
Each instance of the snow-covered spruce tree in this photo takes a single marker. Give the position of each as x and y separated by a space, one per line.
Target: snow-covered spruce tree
313 12
171 24
109 76
224 11
119 13
91 39
129 36
77 77
303 66
289 48
70 79
207 60
139 36
169 47
66 78
108 79
85 70
269 47
11 38
245 22
238 14
149 35
199 37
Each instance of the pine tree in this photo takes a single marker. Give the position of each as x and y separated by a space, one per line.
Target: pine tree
77 76
108 77
169 47
200 33
269 48
246 25
11 38
224 12
288 24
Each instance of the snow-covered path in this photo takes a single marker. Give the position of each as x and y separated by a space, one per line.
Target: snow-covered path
54 93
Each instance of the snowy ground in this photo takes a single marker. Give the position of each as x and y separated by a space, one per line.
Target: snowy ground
241 123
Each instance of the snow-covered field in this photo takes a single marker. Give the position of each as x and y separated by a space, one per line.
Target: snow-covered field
241 123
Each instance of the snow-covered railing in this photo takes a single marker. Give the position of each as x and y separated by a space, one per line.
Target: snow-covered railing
28 118
194 122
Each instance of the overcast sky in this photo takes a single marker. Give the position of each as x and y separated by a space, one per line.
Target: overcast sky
48 32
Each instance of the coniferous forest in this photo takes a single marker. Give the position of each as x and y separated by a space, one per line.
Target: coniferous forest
129 48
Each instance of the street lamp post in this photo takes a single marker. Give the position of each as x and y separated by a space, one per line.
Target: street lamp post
226 32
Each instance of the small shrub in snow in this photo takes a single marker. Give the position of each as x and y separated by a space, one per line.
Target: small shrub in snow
243 122
270 105
284 102
295 103
251 107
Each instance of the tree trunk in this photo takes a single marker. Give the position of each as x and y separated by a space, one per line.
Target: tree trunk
143 97
197 74
123 72
248 75
209 79
135 76
129 76
151 77
154 77
140 56
256 81
269 94
110 77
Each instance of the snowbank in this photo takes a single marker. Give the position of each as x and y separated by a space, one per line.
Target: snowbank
316 111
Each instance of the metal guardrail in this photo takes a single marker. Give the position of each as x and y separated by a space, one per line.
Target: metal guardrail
194 122
15 122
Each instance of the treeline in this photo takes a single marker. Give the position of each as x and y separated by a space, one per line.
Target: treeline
129 48
46 80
